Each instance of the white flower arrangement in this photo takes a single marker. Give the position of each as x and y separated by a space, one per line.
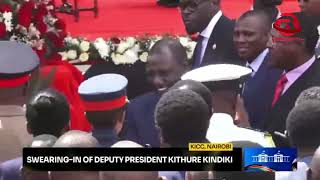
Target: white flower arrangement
119 51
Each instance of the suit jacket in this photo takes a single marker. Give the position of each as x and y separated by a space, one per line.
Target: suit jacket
277 117
222 39
139 122
10 170
259 91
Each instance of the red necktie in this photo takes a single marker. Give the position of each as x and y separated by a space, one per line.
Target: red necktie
280 86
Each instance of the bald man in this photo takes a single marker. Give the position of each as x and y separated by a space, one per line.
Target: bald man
167 61
132 175
76 139
314 171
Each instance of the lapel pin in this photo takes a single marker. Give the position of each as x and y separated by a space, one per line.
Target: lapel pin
214 47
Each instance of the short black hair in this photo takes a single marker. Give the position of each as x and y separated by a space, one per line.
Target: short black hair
183 117
312 93
303 124
309 31
172 46
105 119
47 112
265 18
197 87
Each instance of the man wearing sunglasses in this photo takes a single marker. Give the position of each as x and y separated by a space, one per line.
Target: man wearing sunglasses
294 39
215 32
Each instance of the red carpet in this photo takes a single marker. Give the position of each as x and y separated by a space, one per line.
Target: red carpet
138 17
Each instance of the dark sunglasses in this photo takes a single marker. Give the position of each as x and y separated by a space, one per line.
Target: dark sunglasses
303 0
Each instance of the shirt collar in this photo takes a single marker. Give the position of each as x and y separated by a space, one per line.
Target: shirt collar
221 120
256 63
208 30
294 74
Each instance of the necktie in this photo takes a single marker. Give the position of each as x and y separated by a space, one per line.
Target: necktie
198 51
280 86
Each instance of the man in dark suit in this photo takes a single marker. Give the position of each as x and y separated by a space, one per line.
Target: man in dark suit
215 30
294 39
167 61
251 36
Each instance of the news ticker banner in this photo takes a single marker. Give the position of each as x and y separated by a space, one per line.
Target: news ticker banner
198 157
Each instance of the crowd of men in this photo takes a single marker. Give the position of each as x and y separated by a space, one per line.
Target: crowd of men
249 80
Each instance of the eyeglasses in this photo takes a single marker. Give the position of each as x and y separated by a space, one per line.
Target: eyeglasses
303 0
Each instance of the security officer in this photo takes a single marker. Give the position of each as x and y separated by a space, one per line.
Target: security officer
17 61
225 82
105 98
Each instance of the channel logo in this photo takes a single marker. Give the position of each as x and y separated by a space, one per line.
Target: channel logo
270 159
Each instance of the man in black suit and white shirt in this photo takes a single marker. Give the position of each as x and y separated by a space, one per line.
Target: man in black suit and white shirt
215 32
294 40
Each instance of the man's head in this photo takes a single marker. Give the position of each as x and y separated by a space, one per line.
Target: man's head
311 7
47 113
197 14
251 34
104 98
314 171
312 93
167 61
303 126
197 87
17 61
107 119
294 38
75 139
183 117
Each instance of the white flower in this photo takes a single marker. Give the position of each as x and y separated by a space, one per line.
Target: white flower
7 20
144 57
72 54
122 47
184 41
136 48
84 57
68 39
75 42
64 55
131 41
84 46
131 57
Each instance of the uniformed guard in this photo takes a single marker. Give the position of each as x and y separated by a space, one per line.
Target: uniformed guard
105 99
225 83
17 61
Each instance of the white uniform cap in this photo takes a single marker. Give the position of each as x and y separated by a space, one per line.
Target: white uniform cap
217 72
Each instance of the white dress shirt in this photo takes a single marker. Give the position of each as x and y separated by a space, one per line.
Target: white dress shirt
256 63
294 74
301 173
206 33
222 129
